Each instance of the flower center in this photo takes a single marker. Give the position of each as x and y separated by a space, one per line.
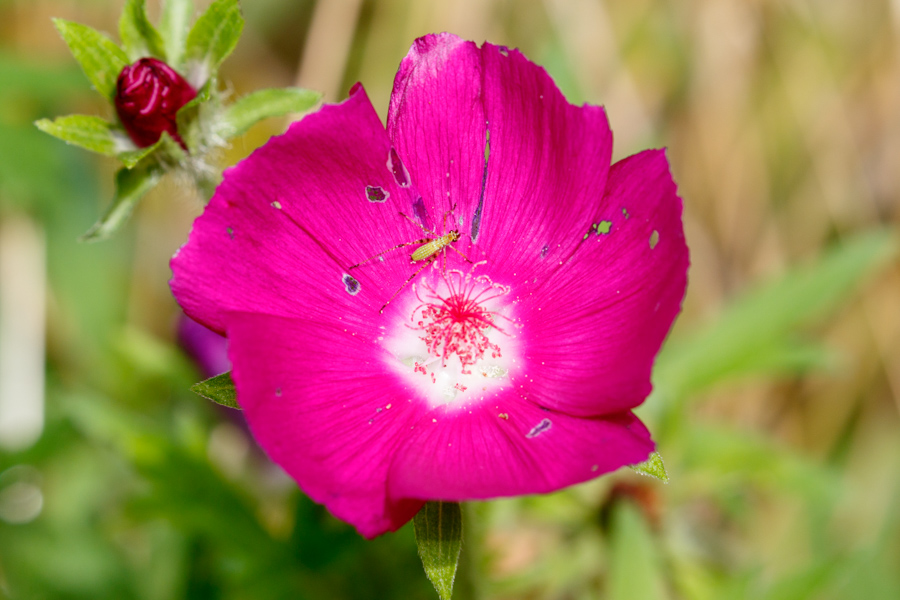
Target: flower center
458 342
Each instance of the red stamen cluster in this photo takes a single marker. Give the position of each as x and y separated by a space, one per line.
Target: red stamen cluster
458 323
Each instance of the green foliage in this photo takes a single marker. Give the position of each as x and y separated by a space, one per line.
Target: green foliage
439 538
219 389
757 334
138 35
263 104
100 58
214 36
634 569
131 185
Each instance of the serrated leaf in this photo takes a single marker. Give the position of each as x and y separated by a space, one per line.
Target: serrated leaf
174 25
100 58
438 528
89 132
212 38
139 36
653 467
219 389
263 104
131 185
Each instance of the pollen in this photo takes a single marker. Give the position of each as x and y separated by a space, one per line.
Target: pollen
458 340
456 324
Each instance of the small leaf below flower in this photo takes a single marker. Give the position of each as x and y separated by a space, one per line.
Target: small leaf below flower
653 467
438 529
131 185
263 104
219 389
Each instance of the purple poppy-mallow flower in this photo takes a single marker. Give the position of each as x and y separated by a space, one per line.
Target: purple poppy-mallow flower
508 365
149 94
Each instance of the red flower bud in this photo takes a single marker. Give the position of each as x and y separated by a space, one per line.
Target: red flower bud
148 96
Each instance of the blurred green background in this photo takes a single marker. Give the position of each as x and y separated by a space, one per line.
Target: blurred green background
777 394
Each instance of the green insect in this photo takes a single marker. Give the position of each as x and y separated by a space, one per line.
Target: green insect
428 250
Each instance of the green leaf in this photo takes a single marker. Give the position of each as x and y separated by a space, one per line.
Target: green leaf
131 185
653 467
219 389
213 37
100 59
438 529
173 27
138 35
89 132
263 104
634 569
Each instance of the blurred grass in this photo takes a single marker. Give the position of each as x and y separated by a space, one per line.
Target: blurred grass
777 397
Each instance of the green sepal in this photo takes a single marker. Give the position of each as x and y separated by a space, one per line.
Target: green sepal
219 389
262 104
89 132
97 135
130 158
131 185
139 36
188 119
438 528
653 467
100 58
174 25
212 38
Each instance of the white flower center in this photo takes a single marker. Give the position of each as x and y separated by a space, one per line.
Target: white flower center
459 341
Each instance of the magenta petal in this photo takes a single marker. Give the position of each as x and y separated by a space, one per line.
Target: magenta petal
548 160
594 328
321 404
508 447
288 222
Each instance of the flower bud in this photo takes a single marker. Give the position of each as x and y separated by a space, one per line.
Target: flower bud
148 96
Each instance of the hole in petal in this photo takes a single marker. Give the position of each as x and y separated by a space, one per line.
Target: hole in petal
601 228
396 167
503 50
376 194
276 204
422 213
539 428
654 239
476 218
350 284
545 250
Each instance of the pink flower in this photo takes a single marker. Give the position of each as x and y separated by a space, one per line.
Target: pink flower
510 370
149 94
